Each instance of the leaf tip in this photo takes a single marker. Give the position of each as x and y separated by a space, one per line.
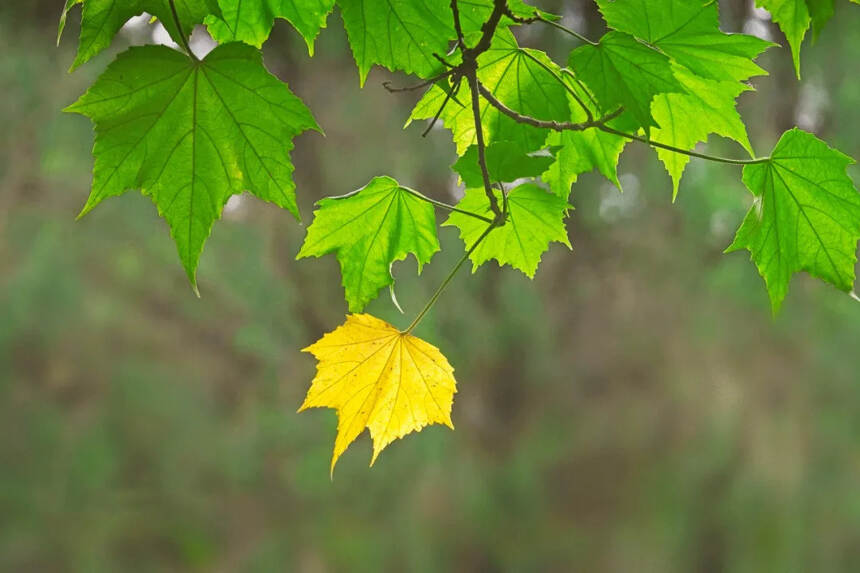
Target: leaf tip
87 208
191 273
775 304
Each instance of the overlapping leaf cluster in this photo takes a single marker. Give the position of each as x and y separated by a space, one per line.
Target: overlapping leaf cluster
190 133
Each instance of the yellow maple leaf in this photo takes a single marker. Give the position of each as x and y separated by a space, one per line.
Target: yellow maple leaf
379 378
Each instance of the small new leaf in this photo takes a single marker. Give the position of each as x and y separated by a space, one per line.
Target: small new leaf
190 134
379 378
535 219
806 215
369 230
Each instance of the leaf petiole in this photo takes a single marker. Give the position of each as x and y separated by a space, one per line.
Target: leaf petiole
444 205
652 143
449 278
182 39
565 29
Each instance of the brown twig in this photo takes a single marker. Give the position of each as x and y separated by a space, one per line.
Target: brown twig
541 123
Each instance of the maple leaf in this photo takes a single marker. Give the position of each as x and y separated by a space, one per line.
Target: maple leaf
793 19
189 134
506 162
403 35
820 12
621 71
379 378
709 65
806 215
251 21
526 81
535 219
688 31
396 34
578 152
102 19
708 106
369 230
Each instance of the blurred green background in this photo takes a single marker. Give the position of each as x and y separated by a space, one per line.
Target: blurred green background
634 408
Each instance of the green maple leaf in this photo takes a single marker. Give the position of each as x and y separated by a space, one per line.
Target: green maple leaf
820 11
579 152
369 230
793 19
404 34
709 65
685 119
251 21
689 32
621 71
526 81
190 134
806 215
506 162
457 117
102 19
535 219
397 34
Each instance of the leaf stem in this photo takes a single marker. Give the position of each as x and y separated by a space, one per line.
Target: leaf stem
539 18
445 206
653 143
182 39
472 77
449 278
540 123
601 124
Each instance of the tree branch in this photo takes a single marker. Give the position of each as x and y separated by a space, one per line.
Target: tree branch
538 17
601 124
544 124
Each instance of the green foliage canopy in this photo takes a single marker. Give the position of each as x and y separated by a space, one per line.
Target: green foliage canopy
190 133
